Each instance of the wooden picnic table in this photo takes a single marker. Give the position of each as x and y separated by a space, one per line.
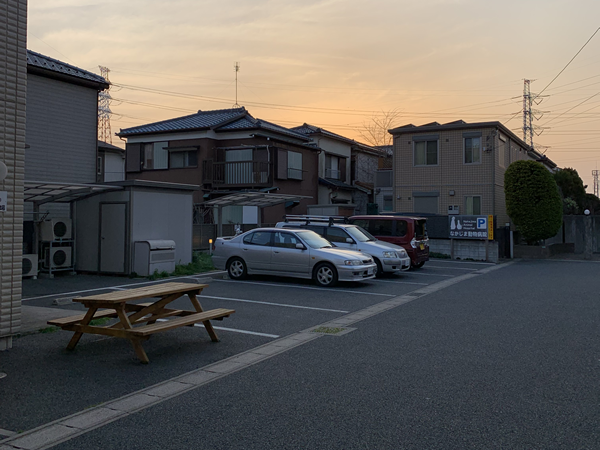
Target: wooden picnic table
138 321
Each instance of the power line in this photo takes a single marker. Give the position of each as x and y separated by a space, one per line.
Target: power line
573 58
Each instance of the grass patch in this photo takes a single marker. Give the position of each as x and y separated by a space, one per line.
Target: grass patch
201 262
438 255
49 330
99 322
328 330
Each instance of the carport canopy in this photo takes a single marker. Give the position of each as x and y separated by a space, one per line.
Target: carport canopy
259 199
40 192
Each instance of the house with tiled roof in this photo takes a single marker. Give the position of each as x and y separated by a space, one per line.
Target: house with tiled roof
225 151
347 172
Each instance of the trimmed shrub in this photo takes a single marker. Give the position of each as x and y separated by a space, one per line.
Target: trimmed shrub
533 201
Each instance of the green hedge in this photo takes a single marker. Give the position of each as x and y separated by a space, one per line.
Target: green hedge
533 201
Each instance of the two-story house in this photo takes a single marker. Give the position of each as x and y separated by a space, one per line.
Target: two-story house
456 167
346 172
225 151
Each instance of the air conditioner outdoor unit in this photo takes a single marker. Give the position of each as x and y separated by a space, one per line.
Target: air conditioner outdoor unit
58 258
453 210
55 229
30 265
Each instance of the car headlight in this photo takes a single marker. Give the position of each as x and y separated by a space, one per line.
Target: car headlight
353 262
389 254
403 253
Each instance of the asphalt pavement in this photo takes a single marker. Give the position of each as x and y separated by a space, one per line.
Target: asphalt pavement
455 356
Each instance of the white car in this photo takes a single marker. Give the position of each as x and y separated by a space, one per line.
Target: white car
389 258
290 253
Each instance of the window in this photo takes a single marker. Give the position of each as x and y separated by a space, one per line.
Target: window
156 156
332 167
472 150
336 235
426 153
286 240
295 165
381 227
182 159
473 206
258 238
388 202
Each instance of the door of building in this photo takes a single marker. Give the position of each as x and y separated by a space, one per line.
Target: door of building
113 237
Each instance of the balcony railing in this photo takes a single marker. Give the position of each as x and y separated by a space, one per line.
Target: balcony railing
237 173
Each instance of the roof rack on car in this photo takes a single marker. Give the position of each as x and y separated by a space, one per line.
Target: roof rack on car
319 219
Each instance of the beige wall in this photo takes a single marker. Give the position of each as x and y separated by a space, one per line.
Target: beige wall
485 179
13 91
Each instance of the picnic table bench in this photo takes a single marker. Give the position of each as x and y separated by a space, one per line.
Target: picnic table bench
138 321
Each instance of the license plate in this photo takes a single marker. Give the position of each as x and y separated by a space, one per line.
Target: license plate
422 246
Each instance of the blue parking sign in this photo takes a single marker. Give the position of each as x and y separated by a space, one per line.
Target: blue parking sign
482 223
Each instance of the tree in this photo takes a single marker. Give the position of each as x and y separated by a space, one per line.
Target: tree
592 203
375 130
532 200
571 186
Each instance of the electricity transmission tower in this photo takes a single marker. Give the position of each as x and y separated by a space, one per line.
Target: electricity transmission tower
104 112
529 114
596 185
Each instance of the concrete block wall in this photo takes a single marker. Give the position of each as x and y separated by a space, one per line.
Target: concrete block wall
466 249
13 92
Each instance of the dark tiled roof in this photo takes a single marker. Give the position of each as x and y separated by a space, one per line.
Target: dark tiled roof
107 146
309 130
202 120
221 120
45 62
335 183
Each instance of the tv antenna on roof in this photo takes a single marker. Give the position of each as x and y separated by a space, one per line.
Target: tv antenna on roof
236 67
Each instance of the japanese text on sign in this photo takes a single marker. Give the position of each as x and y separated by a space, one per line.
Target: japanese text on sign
471 227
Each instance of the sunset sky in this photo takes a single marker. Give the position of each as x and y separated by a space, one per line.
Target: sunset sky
336 64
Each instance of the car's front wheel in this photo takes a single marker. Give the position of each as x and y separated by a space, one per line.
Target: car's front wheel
325 275
418 265
378 269
236 268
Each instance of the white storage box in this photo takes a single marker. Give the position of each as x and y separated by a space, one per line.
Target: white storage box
153 256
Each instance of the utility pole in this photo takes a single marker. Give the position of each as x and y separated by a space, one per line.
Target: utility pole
236 67
104 112
596 185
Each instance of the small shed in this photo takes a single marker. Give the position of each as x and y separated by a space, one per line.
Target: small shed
108 224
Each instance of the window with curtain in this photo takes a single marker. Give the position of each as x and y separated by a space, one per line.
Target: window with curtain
426 153
472 150
181 159
473 206
332 167
156 156
295 165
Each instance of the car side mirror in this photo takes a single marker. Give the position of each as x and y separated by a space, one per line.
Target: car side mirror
300 246
350 241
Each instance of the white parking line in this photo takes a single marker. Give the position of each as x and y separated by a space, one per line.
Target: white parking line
117 288
401 282
233 330
272 304
450 268
431 274
454 261
330 290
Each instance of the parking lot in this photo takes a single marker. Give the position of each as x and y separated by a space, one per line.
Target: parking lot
272 307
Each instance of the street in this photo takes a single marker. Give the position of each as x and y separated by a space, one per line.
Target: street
457 355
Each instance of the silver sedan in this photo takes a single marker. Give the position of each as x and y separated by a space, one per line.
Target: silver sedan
290 253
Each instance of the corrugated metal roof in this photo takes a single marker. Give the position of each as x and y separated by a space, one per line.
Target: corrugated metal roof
45 62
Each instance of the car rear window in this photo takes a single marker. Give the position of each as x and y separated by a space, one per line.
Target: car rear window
420 229
258 238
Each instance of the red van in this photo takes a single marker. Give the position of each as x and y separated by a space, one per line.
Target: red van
406 231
